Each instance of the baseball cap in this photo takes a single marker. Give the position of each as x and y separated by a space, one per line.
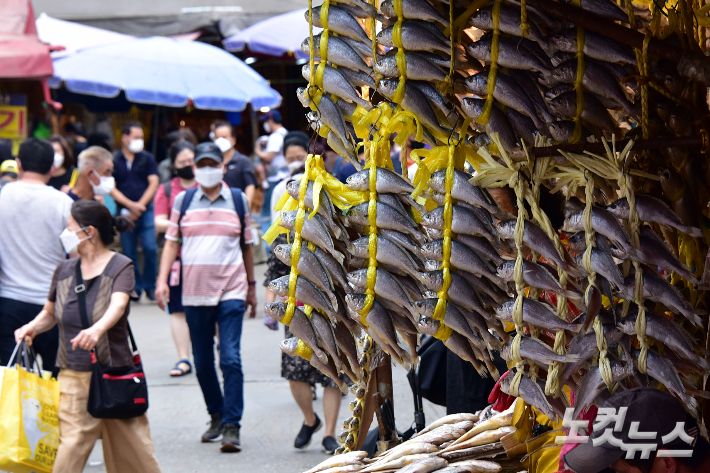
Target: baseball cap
9 165
273 114
208 150
654 410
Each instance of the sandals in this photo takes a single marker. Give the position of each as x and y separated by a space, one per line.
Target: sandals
182 371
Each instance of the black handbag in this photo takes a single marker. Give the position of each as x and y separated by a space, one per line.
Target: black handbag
115 392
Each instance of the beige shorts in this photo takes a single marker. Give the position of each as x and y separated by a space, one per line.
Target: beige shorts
127 445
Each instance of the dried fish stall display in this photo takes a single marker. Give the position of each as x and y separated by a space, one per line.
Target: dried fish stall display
523 106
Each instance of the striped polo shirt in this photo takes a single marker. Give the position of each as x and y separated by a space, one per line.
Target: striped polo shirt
212 261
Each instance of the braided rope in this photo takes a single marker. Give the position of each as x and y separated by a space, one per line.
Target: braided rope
633 225
604 365
519 279
552 383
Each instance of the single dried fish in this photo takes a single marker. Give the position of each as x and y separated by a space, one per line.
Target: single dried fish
651 209
386 182
386 286
387 253
534 349
463 221
314 230
334 82
310 268
538 314
300 326
306 292
463 190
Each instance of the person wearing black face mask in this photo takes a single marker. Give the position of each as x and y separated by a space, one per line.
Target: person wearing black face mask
182 158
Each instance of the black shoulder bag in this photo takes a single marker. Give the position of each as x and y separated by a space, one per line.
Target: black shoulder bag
115 392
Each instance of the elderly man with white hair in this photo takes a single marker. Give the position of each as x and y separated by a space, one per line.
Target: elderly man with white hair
95 177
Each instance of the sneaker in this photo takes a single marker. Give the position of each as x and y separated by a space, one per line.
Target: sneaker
230 439
214 433
303 439
330 445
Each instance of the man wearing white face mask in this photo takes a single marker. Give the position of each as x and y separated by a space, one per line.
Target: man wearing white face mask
272 155
137 180
211 225
95 174
239 169
32 216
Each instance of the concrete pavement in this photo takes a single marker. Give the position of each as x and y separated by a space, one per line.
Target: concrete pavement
271 417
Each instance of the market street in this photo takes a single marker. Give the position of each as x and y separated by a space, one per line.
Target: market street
271 418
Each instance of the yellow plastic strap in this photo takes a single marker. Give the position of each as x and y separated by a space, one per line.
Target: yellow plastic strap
372 243
310 44
296 246
524 25
443 295
444 332
304 351
485 115
577 134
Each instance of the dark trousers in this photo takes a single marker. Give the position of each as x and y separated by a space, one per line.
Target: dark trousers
228 315
13 315
145 229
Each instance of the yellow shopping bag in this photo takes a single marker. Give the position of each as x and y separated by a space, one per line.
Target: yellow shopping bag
29 426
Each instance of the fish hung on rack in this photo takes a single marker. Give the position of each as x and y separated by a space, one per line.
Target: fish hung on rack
385 258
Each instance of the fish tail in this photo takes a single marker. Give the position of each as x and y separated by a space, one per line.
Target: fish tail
337 255
572 358
692 231
333 301
698 393
692 404
322 357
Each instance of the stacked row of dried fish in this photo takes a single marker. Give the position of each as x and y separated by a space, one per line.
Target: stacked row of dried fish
446 446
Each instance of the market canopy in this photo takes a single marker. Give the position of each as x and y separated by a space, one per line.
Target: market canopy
22 55
276 36
168 72
73 36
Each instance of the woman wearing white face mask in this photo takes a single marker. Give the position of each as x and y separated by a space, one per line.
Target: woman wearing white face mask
95 177
64 163
109 283
182 159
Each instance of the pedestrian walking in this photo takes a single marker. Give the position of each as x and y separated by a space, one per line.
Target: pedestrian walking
272 156
64 163
182 159
210 225
32 215
8 171
95 174
109 285
137 181
240 169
